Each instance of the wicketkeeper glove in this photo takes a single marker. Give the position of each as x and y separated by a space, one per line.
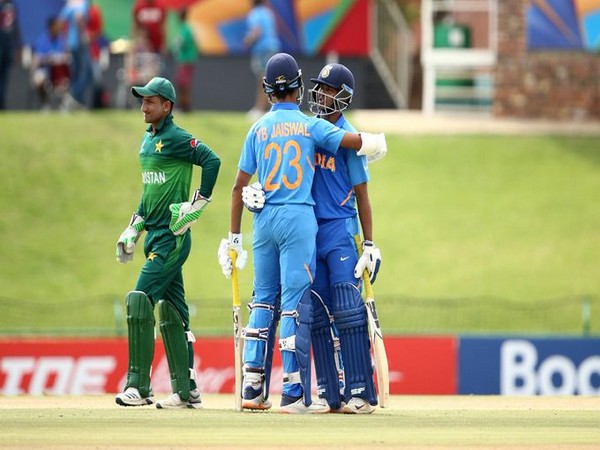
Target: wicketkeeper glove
370 260
233 242
374 146
254 197
184 215
128 238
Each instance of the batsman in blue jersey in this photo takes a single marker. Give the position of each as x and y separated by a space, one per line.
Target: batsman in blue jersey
339 332
280 150
340 337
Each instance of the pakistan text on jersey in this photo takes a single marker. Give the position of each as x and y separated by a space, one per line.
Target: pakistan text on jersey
153 177
284 129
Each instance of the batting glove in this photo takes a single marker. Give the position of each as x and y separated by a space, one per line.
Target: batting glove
369 260
128 238
184 215
234 242
374 146
253 197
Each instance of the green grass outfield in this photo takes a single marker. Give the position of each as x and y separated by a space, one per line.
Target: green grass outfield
478 233
412 422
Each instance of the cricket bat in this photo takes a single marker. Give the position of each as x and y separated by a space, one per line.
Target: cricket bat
237 332
376 337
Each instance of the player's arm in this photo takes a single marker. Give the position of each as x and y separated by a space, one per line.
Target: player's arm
234 238
332 138
184 215
371 256
364 210
206 158
373 146
241 180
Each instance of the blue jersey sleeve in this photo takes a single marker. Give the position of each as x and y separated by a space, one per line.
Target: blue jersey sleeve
358 169
326 135
248 160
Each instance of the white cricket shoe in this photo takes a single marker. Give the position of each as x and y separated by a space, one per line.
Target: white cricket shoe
132 397
253 399
174 401
358 405
298 407
323 402
195 401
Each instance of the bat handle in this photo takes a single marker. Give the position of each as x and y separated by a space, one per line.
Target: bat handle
234 279
233 256
365 274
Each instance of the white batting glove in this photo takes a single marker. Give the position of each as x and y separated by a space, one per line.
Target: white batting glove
184 215
234 242
370 260
254 197
128 238
374 146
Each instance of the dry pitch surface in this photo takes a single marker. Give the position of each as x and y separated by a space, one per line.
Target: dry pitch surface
412 422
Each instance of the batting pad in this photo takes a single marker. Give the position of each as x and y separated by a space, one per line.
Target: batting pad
303 343
351 321
176 348
328 377
140 329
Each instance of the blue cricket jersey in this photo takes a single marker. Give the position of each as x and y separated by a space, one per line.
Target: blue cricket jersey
262 17
280 148
335 178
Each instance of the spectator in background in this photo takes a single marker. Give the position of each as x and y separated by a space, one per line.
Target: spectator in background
98 53
50 64
185 54
263 42
141 63
149 18
8 44
74 16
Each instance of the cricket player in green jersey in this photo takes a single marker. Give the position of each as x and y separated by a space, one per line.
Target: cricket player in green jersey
167 155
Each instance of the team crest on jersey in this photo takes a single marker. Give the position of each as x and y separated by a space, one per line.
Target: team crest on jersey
194 143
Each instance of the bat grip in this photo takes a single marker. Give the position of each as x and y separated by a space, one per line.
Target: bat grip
235 286
365 274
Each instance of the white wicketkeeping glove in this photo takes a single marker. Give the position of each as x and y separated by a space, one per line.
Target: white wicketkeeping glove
184 215
254 197
370 260
128 238
234 242
374 146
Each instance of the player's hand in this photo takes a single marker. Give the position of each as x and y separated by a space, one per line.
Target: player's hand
370 260
127 240
184 215
233 242
254 197
374 146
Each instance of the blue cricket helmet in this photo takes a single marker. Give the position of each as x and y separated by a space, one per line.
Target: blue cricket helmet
282 74
336 76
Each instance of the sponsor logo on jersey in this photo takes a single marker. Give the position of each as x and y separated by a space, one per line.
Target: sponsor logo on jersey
194 143
154 177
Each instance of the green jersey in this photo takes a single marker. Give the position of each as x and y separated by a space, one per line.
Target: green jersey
167 158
